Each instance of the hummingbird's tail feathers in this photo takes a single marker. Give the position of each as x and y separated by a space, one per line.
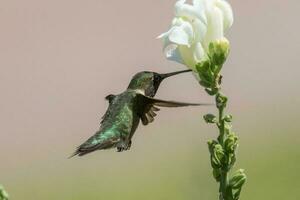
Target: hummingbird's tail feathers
95 143
81 151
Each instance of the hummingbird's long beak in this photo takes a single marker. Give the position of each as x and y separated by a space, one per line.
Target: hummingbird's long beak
163 76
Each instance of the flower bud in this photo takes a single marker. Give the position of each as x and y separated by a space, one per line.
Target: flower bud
238 179
231 143
227 128
211 92
218 52
217 154
221 100
211 145
210 118
228 118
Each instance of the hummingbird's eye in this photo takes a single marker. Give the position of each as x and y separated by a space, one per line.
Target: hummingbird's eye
156 79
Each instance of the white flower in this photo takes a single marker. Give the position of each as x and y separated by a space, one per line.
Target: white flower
194 28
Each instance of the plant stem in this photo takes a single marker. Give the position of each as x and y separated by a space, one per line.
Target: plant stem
221 137
221 140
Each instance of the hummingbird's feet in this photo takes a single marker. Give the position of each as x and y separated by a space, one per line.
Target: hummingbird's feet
123 146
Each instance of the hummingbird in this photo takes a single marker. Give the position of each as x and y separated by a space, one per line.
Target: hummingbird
126 110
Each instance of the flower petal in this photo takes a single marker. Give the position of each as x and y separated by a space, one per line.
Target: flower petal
226 9
182 34
200 29
187 56
170 49
200 8
199 53
215 26
166 34
190 11
172 53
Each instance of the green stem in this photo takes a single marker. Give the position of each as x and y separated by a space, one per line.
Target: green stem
221 125
221 139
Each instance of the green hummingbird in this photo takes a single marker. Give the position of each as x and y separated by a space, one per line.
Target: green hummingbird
126 110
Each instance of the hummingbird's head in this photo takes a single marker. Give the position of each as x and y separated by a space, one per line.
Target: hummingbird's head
148 82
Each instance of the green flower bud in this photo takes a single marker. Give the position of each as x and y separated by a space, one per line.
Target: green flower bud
217 154
221 100
238 179
210 118
209 76
219 51
231 143
212 92
211 145
228 118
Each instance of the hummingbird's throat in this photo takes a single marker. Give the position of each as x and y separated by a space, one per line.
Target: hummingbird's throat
140 91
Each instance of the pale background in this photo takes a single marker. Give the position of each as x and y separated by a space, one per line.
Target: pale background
60 58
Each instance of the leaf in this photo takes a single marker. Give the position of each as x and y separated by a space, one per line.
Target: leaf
210 118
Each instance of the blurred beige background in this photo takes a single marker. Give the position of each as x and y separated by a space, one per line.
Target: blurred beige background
59 59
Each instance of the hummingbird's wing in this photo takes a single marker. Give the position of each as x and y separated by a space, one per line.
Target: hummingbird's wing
110 99
149 107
